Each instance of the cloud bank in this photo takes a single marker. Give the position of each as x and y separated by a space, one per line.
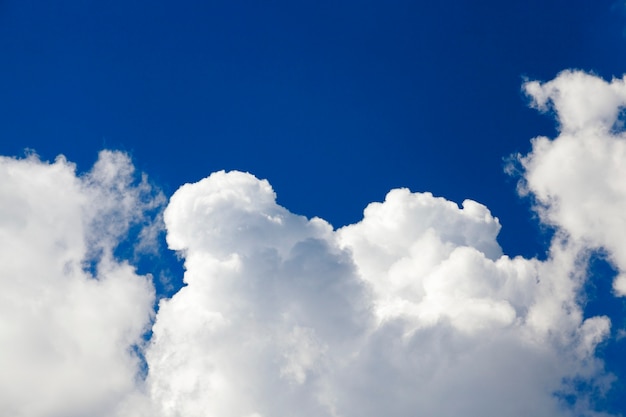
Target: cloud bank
414 310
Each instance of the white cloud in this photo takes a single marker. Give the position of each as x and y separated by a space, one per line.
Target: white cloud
412 310
271 305
579 178
66 336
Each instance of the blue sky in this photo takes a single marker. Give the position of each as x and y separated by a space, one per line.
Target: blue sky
350 99
335 104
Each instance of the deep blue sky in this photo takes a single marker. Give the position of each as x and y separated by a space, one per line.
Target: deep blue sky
334 102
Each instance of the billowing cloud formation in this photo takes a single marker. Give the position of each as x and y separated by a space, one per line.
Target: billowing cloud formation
66 336
414 310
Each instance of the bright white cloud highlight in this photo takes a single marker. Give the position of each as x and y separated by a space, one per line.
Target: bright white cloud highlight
414 310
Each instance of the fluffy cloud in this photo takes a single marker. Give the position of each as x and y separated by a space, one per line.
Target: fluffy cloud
271 305
579 178
412 310
66 336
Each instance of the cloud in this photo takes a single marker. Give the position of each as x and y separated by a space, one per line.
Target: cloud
66 336
413 310
271 305
579 178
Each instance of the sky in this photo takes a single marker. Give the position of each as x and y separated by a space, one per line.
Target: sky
267 209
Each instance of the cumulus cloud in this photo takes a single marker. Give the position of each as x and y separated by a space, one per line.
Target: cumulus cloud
67 331
579 178
271 305
414 310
